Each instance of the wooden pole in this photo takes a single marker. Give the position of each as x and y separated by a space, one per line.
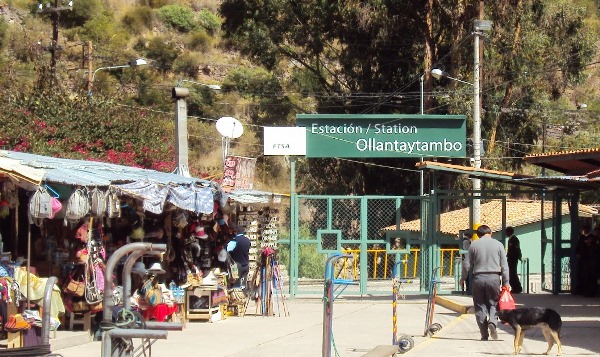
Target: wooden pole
90 70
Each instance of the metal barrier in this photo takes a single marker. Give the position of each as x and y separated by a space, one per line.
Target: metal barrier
410 263
329 298
149 330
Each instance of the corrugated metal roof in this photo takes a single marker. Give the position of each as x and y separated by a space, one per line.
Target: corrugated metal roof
91 173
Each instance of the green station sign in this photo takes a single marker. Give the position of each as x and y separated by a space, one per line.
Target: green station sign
384 135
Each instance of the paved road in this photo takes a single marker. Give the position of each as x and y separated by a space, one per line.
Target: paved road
360 325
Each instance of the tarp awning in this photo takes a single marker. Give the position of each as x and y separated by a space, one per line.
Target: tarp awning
153 187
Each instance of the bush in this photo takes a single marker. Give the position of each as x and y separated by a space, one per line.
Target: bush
252 82
210 21
163 53
155 4
198 41
137 19
105 33
187 64
3 32
179 17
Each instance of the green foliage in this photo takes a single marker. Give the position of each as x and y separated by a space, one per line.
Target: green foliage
179 17
138 19
162 52
198 40
210 21
155 4
106 33
187 64
82 12
3 32
252 82
48 122
310 263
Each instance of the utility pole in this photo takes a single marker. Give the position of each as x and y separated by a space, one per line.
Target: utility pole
54 16
90 70
479 27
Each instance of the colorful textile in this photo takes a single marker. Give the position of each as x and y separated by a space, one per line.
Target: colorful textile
159 312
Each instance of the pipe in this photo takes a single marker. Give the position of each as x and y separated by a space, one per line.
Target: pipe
128 333
46 306
328 301
170 326
108 302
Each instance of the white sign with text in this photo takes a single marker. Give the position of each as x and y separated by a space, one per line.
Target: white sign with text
285 141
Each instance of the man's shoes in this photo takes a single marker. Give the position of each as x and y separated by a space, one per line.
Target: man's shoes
493 331
484 338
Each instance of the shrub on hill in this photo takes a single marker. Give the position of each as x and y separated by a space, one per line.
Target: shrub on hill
179 17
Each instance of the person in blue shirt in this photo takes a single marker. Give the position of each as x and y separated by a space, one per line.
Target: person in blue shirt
239 250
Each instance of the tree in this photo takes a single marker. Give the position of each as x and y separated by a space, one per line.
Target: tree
49 121
367 56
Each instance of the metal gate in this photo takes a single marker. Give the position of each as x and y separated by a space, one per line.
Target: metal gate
383 232
364 227
558 242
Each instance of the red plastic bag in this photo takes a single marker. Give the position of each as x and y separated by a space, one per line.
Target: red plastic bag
506 302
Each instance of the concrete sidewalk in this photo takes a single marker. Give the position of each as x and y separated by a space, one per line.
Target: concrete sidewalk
361 324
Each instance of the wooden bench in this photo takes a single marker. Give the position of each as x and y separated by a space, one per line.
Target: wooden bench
382 351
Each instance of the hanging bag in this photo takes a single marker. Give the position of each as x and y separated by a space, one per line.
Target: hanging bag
506 302
40 205
234 269
78 206
113 205
98 198
74 287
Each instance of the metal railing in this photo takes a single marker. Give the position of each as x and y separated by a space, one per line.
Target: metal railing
409 266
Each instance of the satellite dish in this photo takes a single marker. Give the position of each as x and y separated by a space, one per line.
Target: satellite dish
230 127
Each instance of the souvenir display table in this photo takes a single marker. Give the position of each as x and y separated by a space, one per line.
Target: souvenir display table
204 313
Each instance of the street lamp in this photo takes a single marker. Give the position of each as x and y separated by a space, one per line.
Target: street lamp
480 26
179 94
92 75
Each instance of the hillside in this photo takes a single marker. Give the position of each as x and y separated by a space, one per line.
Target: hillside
186 43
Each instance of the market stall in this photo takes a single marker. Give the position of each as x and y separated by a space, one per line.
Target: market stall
64 218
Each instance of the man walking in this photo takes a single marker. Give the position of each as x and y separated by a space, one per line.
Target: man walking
487 258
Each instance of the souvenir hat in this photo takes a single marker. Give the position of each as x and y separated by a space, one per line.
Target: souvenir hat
139 268
156 268
200 233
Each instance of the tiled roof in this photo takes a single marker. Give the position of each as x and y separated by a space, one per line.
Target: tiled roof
518 213
566 152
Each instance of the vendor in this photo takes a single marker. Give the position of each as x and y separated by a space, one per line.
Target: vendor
153 298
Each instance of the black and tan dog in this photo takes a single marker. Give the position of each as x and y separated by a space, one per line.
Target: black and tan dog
525 318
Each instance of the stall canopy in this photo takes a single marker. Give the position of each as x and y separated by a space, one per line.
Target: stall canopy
153 187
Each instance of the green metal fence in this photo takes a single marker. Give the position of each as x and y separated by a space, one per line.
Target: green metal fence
364 227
